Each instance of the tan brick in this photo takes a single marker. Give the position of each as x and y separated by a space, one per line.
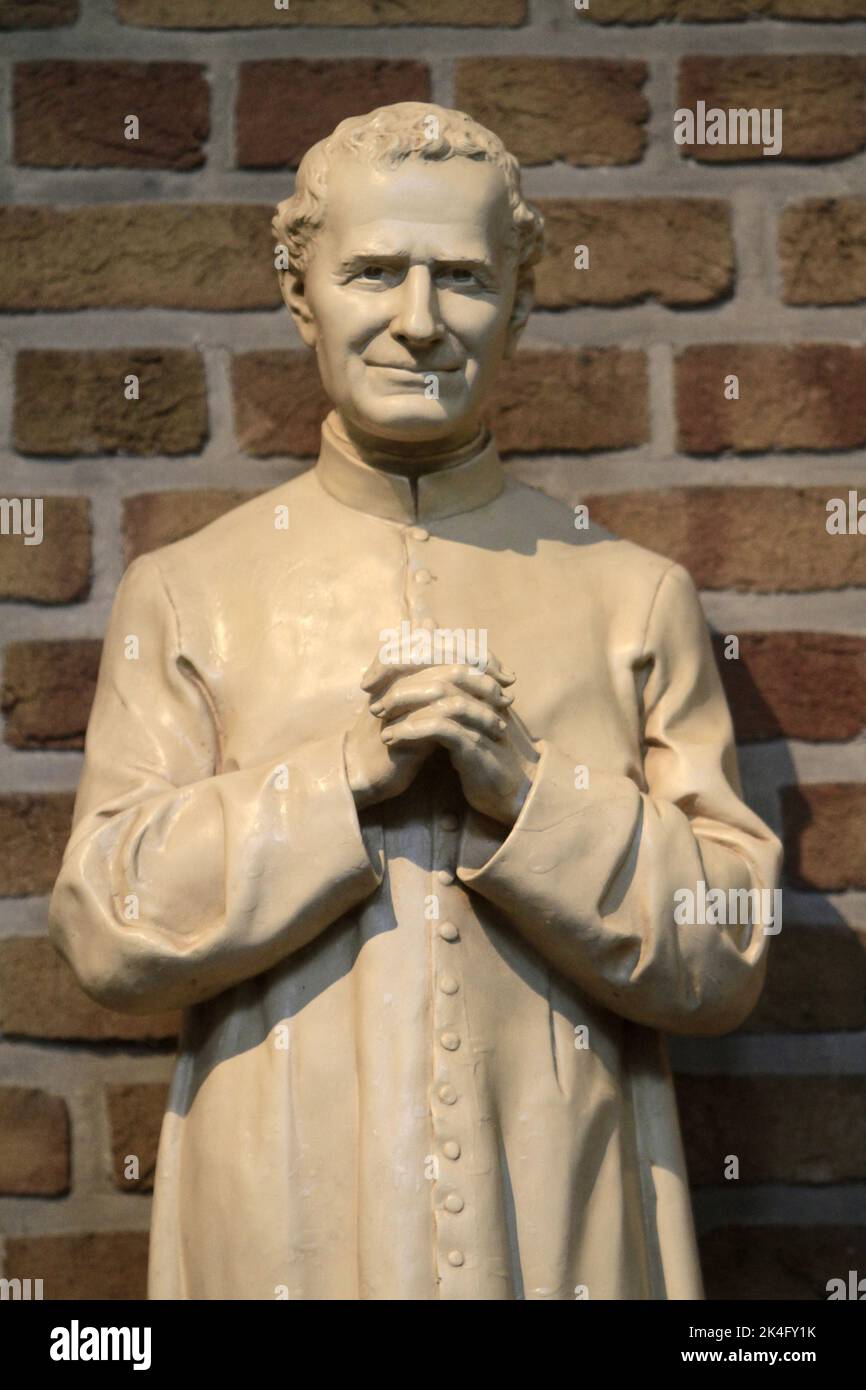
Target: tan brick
162 255
811 396
807 685
34 1143
37 14
595 399
816 982
40 998
821 95
73 115
153 519
34 828
47 692
57 570
585 111
822 251
773 540
252 14
675 250
69 403
284 106
109 1265
279 403
135 1115
809 1129
718 11
825 844
779 1262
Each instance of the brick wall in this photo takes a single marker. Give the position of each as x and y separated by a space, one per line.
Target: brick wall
154 257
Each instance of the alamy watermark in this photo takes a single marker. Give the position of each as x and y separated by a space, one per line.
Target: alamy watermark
433 646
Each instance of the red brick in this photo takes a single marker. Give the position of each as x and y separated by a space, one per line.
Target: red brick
279 403
718 11
106 1266
825 381
135 1115
138 256
73 114
678 251
153 519
806 685
34 1143
816 982
40 998
770 539
821 95
34 828
824 835
57 570
243 14
779 1262
594 399
37 14
69 403
47 692
585 111
286 105
822 250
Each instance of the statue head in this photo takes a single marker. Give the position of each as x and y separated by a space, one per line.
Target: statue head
409 251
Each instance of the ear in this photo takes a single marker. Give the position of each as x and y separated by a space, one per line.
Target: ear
524 298
292 290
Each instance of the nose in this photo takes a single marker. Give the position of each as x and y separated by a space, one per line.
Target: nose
417 319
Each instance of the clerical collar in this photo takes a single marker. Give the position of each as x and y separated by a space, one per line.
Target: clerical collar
461 487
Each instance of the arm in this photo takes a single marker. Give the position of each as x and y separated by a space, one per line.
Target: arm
589 876
180 880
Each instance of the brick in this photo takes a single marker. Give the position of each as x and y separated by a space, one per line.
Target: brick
772 540
811 396
718 11
37 14
821 95
138 256
793 1129
135 1116
69 403
253 14
807 685
109 1265
57 570
678 251
816 982
153 519
34 1143
594 399
824 843
279 403
34 828
822 251
779 1262
584 111
40 998
47 692
73 115
285 106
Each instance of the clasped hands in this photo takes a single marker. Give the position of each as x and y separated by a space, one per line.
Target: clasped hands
465 709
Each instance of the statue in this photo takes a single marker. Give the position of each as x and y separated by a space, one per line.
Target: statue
395 801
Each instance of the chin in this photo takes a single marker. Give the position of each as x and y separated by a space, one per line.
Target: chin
401 417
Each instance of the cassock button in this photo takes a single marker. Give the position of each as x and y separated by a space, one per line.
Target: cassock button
450 1042
423 576
455 1258
448 984
419 534
447 1094
451 1149
448 822
444 875
454 1202
448 931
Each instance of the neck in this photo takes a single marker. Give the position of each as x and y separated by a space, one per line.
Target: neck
408 458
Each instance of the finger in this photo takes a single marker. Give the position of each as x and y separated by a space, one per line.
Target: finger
381 675
434 722
406 695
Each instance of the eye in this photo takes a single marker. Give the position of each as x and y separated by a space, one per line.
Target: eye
373 272
460 276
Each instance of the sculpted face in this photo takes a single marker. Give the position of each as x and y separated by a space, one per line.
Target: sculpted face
408 296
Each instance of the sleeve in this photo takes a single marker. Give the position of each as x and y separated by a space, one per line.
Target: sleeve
180 879
600 879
